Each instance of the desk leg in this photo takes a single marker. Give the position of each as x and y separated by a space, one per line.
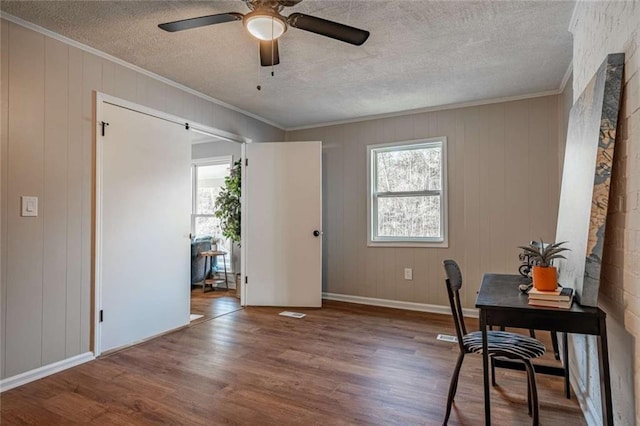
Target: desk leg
605 376
565 360
226 280
485 368
204 279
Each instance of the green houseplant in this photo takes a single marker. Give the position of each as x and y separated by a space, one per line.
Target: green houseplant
545 275
227 204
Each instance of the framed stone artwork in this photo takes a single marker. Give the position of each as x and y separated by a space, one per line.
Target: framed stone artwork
586 177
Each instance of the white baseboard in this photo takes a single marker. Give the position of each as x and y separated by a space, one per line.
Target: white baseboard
44 371
397 304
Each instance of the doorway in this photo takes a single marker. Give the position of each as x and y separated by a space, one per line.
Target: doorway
142 277
142 222
213 283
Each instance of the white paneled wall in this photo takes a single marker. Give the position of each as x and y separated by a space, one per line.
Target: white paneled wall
47 151
504 190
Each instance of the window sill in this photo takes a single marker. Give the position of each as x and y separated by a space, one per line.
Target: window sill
440 244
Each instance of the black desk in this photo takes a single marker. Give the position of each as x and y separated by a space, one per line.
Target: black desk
502 304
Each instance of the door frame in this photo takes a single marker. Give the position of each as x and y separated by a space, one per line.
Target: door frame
99 100
244 211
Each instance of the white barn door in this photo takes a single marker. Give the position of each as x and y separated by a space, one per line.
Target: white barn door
283 196
144 216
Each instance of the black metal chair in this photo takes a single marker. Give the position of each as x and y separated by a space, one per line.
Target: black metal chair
500 344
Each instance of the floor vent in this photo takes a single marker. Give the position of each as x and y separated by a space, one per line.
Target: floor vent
292 314
447 338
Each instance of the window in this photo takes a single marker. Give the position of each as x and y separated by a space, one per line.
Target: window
407 203
207 181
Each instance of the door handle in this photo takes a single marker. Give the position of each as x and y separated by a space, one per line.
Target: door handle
316 233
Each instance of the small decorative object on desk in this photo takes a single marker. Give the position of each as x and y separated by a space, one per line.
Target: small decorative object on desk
561 298
527 264
214 243
540 256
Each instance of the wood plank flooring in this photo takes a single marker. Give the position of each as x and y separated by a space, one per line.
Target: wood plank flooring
342 364
212 304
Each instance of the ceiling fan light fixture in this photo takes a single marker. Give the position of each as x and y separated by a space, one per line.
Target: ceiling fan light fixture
265 26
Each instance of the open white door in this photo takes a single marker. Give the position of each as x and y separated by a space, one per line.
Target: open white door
283 197
143 225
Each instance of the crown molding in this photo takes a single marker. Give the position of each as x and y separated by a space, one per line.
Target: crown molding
567 75
430 109
103 55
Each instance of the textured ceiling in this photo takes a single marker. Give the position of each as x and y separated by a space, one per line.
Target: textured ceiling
420 53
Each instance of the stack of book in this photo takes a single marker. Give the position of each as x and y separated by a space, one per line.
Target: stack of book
561 298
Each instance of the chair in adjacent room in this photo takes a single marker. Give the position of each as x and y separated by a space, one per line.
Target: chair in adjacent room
198 262
501 344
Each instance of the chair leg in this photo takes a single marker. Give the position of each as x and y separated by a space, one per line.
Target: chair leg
493 371
534 391
554 343
529 406
453 387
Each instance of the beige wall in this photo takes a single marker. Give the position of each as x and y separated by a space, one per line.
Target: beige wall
600 28
47 151
503 192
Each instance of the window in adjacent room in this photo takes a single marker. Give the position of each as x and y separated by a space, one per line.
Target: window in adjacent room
407 202
207 180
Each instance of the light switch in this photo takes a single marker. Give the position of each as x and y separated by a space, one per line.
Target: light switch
29 206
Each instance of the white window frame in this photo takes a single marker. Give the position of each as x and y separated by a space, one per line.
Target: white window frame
210 161
372 197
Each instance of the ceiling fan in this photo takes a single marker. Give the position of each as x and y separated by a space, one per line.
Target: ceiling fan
267 24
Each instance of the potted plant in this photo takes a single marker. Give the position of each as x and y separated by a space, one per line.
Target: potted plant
227 205
545 275
214 243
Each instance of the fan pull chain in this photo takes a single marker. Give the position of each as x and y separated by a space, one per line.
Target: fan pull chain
272 48
259 86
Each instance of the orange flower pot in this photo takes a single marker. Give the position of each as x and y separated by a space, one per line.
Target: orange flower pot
545 279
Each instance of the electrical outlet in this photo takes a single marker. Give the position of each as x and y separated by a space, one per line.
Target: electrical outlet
408 273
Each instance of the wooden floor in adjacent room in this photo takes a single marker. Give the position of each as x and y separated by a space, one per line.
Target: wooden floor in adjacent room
212 304
343 364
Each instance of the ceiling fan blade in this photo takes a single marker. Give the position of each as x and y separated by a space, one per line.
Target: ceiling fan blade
326 28
202 21
288 3
269 57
